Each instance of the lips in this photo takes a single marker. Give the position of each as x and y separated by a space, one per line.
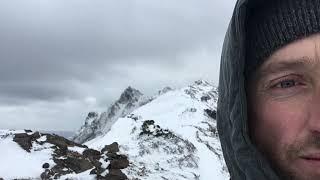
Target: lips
312 157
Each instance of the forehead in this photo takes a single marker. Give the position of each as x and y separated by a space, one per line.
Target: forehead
302 52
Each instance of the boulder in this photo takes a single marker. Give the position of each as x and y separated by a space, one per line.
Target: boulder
45 165
62 142
112 148
91 154
118 161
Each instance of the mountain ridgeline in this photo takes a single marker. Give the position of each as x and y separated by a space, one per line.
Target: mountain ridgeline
169 136
100 123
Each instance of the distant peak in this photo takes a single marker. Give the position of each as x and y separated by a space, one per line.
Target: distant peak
129 94
202 82
164 90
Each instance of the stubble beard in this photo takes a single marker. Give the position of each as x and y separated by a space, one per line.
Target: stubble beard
284 162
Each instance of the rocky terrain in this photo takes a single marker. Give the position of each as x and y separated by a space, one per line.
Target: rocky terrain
61 158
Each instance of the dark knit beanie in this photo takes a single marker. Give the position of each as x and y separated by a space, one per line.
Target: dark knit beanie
271 24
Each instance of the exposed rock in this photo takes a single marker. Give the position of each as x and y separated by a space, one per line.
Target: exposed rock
45 174
72 162
129 94
117 161
78 165
98 171
149 128
134 117
164 90
112 148
62 142
25 140
70 157
45 165
192 110
202 82
205 98
92 115
211 113
116 174
92 154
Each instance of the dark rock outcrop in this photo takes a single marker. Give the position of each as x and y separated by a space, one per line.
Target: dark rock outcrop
211 113
151 129
25 140
205 98
117 161
46 165
70 157
112 148
115 174
73 162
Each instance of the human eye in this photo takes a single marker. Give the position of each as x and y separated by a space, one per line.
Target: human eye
287 85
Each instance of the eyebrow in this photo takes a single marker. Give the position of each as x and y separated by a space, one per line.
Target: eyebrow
285 65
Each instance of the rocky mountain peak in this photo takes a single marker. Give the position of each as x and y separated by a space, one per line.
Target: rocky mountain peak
130 94
99 123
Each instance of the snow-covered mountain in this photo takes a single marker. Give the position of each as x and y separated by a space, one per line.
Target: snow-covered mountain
174 136
100 123
170 136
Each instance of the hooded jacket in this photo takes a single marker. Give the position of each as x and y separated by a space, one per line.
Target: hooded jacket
244 161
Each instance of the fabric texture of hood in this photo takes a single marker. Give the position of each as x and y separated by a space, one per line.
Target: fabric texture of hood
244 161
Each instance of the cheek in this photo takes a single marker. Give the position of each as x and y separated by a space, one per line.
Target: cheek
278 123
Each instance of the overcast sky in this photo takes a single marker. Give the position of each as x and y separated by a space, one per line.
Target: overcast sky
61 59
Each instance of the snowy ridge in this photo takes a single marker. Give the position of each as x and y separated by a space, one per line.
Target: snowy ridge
98 124
172 137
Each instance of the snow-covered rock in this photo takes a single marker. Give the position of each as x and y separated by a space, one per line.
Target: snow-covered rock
32 155
100 123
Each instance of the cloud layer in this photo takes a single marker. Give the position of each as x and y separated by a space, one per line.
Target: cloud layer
57 53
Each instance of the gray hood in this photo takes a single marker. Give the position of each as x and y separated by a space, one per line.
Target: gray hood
242 158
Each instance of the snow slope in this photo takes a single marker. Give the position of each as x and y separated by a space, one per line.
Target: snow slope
171 137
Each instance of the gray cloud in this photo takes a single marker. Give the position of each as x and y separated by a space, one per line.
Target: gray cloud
54 52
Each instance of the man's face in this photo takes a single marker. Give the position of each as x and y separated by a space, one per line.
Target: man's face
284 109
